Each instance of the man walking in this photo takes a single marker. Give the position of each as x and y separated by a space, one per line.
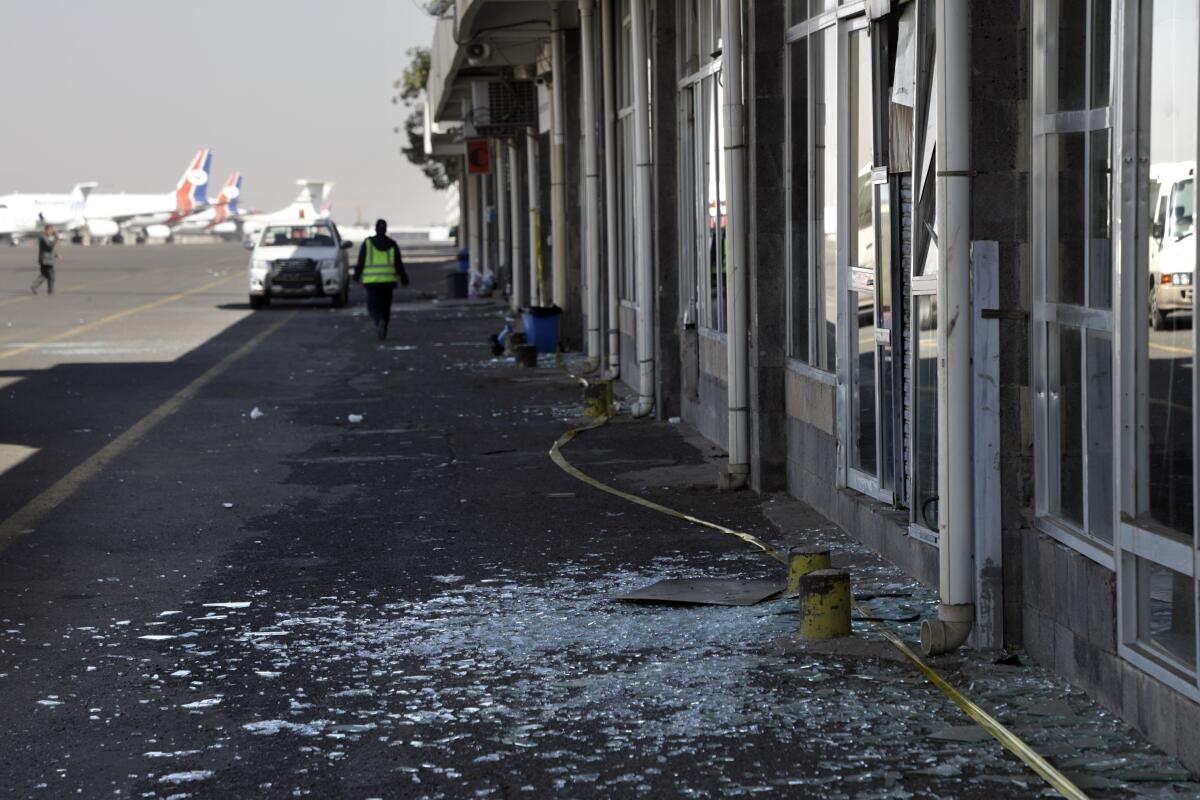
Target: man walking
379 264
47 256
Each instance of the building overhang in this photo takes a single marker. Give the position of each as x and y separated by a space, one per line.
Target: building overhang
485 39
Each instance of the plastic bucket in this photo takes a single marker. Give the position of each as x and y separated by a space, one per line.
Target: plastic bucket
541 327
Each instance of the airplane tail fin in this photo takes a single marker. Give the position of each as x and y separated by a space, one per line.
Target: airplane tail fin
189 192
227 202
79 196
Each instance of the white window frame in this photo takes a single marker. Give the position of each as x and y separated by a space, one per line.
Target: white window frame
1136 540
1046 312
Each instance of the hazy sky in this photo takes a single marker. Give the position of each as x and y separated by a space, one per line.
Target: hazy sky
125 91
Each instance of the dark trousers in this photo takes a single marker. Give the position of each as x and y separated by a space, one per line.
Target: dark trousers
46 277
379 301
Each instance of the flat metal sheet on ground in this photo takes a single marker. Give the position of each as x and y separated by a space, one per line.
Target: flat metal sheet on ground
706 591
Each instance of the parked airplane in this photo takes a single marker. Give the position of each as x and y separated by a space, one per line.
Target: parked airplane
303 207
221 216
26 214
149 215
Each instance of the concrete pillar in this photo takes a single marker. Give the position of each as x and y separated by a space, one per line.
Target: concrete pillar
516 262
503 274
474 237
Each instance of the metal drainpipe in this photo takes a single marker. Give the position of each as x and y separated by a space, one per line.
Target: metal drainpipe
643 235
473 239
956 514
501 211
737 286
558 163
537 293
612 247
591 184
514 186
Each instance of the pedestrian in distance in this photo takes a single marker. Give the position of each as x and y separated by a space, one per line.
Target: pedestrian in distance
47 257
379 265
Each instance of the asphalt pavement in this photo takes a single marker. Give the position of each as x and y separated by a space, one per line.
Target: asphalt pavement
262 554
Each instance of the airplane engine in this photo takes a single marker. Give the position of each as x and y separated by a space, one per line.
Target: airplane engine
102 228
158 231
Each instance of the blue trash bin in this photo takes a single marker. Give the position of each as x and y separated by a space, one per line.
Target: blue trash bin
541 327
464 260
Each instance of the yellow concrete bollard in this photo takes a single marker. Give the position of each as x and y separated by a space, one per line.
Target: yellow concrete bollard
825 604
597 398
803 560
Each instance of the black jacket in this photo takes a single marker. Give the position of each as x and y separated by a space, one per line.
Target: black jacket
47 255
382 243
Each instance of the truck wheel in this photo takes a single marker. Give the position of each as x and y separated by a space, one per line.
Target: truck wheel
1158 318
343 297
257 301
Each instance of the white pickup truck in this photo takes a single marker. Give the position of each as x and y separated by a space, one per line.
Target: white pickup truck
1172 242
299 259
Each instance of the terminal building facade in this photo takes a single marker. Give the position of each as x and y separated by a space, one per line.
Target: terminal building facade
926 265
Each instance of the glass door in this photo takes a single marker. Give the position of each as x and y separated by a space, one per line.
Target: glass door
865 377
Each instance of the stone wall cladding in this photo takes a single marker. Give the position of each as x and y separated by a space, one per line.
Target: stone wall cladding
1069 625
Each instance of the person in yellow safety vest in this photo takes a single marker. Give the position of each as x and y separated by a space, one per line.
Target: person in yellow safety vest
379 264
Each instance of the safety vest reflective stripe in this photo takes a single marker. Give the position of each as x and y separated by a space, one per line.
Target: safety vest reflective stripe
379 265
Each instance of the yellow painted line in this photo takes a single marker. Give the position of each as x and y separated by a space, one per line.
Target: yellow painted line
28 515
87 326
1013 743
1170 348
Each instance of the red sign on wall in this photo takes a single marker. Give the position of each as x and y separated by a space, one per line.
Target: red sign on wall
478 157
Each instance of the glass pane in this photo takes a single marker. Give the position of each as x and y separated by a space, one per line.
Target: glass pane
712 247
1100 436
825 205
1099 231
884 288
1101 47
798 216
797 11
628 184
861 246
1072 54
1066 172
925 415
1167 610
719 202
1166 490
1067 417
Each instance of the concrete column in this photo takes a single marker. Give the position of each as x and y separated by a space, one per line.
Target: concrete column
501 214
767 255
609 117
474 239
515 260
558 162
485 202
591 186
537 291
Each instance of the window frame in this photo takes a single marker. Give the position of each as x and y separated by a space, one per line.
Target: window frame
1050 316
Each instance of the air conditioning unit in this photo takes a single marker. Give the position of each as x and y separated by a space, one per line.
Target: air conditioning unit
503 108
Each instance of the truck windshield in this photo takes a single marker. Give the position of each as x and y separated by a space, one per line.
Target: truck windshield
1182 208
298 235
